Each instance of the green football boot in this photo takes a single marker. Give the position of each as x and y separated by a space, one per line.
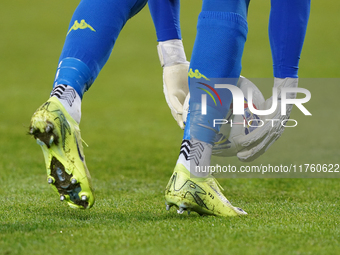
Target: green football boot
201 195
58 134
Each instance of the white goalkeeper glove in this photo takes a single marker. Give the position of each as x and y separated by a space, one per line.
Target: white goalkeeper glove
175 76
258 141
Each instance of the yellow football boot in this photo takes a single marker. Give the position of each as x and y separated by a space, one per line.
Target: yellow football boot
58 134
201 195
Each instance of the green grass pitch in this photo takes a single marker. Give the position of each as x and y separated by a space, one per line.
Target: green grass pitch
134 142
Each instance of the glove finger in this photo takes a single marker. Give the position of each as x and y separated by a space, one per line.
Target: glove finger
255 137
177 104
250 154
253 152
180 121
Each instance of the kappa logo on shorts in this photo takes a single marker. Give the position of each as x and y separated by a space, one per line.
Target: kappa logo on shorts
81 25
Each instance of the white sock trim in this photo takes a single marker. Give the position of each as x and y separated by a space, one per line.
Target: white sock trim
70 99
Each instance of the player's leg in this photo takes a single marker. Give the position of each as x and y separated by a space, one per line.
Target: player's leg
287 28
216 58
93 31
221 34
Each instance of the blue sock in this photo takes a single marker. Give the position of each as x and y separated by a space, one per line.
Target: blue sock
165 15
216 58
287 28
93 31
